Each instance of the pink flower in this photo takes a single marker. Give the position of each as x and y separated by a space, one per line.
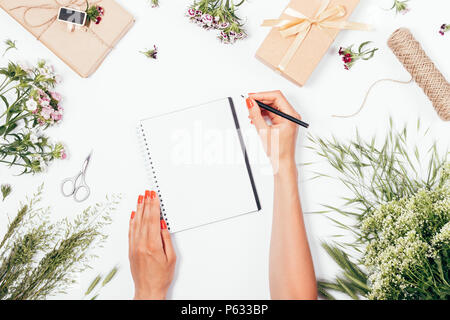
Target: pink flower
224 25
46 113
191 12
207 19
56 116
56 96
63 154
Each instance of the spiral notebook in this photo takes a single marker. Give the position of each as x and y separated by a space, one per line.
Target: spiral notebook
198 163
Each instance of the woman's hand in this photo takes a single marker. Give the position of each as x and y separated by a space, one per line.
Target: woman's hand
291 270
152 257
279 138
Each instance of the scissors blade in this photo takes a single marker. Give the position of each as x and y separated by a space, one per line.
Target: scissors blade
86 162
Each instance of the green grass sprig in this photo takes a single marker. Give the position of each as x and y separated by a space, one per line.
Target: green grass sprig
40 258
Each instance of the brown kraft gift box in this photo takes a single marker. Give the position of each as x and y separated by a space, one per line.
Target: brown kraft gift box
311 50
82 49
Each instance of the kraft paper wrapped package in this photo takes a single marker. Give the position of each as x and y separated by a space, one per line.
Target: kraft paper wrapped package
83 48
303 34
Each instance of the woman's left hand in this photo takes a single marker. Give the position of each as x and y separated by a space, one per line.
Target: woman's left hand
151 253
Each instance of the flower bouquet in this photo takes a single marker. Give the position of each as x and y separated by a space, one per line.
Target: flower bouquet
30 106
218 15
398 216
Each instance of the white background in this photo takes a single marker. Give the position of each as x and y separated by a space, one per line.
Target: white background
228 259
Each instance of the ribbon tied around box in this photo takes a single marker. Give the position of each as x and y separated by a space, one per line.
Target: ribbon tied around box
299 25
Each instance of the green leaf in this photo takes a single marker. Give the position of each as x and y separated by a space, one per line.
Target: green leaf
361 47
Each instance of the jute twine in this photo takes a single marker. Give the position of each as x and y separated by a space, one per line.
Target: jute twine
423 71
410 53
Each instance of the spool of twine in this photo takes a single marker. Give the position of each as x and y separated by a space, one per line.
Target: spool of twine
423 71
410 53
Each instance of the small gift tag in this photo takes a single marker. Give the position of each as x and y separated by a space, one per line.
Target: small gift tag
72 16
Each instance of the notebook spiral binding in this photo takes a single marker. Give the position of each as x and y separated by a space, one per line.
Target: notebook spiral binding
151 171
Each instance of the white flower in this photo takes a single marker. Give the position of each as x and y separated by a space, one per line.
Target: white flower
44 103
31 104
34 138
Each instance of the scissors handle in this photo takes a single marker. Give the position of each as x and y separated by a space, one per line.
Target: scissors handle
84 195
72 189
77 183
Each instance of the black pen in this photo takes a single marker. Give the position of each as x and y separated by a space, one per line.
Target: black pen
281 114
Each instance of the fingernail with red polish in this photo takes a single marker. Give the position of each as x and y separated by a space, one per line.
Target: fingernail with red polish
147 194
249 103
140 199
163 224
132 214
153 195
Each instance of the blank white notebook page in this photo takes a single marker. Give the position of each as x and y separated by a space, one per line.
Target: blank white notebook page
199 165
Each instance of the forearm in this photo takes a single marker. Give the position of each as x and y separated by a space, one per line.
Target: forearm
291 268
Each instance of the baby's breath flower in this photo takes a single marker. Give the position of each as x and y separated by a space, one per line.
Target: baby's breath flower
407 236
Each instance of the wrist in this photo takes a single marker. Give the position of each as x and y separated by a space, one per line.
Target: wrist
138 295
285 167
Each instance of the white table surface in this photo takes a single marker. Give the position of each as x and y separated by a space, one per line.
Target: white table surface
227 260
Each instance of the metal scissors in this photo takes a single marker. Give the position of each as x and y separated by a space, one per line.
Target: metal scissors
78 187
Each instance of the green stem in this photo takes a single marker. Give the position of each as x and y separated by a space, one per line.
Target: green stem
13 164
15 102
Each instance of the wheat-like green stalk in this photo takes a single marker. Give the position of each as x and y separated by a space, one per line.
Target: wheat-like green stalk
39 258
98 284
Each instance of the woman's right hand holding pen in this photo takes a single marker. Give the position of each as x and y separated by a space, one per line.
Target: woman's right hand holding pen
279 139
291 270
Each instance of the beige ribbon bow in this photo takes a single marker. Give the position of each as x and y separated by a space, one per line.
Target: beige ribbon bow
300 25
